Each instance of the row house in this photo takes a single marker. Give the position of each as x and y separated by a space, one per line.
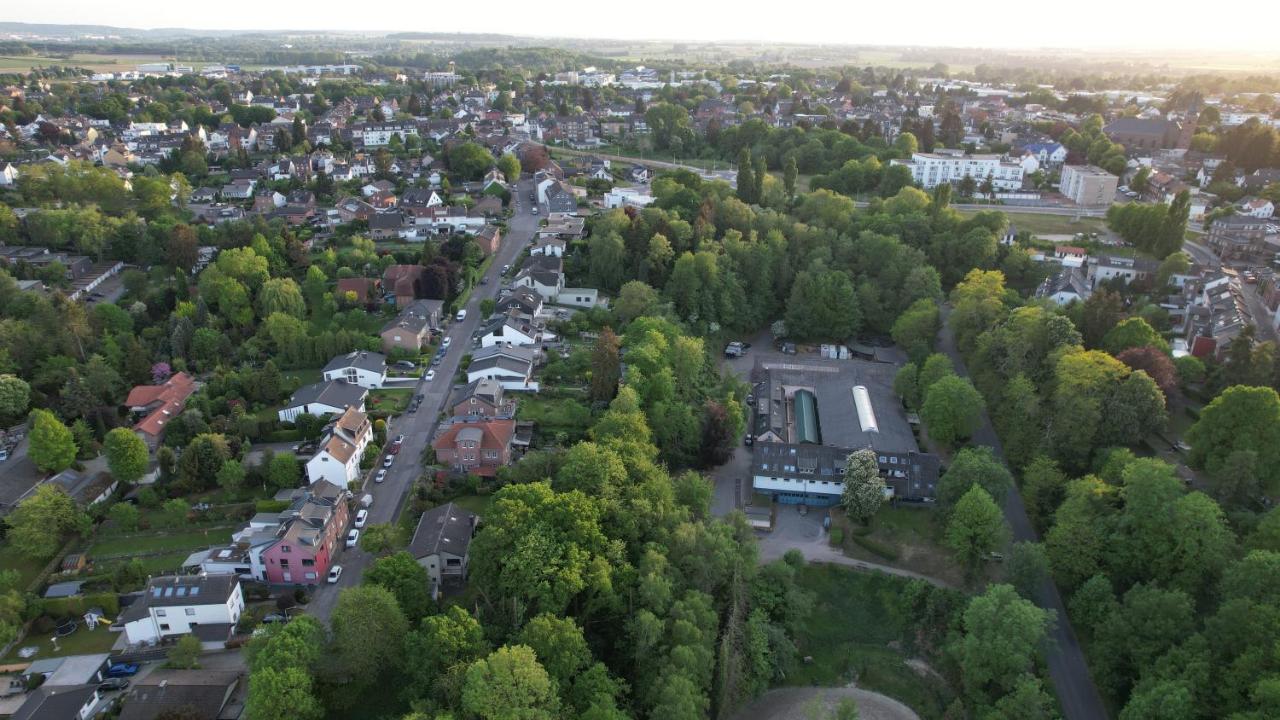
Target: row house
341 450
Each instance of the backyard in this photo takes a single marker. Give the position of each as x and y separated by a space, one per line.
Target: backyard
81 642
388 402
902 536
854 632
555 412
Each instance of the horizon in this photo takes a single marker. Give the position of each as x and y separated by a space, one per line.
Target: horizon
1106 25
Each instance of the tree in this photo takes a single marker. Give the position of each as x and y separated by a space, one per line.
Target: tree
1133 332
976 528
906 385
746 180
124 516
559 647
231 476
509 683
362 615
185 654
127 455
509 166
974 466
284 471
1098 314
52 447
282 692
863 487
469 160
634 299
1155 364
952 410
1002 635
183 248
1026 568
38 525
1240 418
1043 487
406 579
381 538
443 646
823 306
789 175
605 366
15 395
916 328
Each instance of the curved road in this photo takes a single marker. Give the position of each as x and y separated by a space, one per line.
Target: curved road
419 428
1077 693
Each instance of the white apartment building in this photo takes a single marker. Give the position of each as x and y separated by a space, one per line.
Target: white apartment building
932 169
1088 185
338 459
379 134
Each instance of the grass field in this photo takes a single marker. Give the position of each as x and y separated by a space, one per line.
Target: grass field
81 642
28 569
848 635
125 545
1038 224
95 62
911 535
392 401
554 415
478 504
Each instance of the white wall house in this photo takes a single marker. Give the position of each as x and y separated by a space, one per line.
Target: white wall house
338 459
323 398
362 368
932 169
177 604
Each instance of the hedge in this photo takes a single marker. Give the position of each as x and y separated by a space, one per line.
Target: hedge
77 605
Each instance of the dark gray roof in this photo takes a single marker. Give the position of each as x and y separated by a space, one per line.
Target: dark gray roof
362 359
189 590
62 702
204 691
333 393
1133 125
446 528
909 474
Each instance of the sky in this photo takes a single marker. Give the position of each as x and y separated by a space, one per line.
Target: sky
1135 24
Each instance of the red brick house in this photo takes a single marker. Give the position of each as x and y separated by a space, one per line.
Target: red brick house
488 239
479 446
404 282
158 404
365 289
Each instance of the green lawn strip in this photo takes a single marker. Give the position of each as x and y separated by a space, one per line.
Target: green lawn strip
478 504
391 401
124 546
848 634
81 642
305 376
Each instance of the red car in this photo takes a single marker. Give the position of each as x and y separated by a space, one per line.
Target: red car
393 449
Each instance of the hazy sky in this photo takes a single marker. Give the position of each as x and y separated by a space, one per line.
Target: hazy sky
1249 24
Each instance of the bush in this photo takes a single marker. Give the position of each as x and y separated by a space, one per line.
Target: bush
76 606
837 537
270 506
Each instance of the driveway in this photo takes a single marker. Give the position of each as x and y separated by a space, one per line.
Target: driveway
420 427
791 704
1068 670
18 475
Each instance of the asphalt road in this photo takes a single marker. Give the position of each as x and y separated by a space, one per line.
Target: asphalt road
1068 670
419 428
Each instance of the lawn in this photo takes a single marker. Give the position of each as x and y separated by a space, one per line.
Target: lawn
305 376
156 542
910 535
555 415
390 402
478 504
28 569
81 642
849 634
1038 224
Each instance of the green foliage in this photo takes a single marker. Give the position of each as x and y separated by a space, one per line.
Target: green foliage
1240 418
976 528
406 579
185 654
822 307
362 614
127 455
952 410
51 448
1002 637
863 487
40 523
509 683
974 466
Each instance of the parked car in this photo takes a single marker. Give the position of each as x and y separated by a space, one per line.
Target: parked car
388 460
462 315
113 683
118 670
335 572
431 375
382 475
399 439
405 365
506 269
748 440
393 449
444 344
274 618
353 538
362 516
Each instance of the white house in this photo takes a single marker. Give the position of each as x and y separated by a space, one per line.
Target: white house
1257 207
8 174
338 459
323 398
510 330
627 197
180 604
511 367
366 369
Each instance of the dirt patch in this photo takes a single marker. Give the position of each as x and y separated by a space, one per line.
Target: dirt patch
789 704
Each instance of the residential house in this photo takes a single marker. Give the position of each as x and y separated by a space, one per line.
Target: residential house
488 239
1256 207
932 169
8 174
484 398
59 702
359 367
512 367
475 445
363 291
1088 185
1065 286
158 404
525 300
387 225
1048 154
201 694
411 329
238 190
1239 237
543 274
549 246
208 606
403 282
338 459
323 398
560 198
1107 267
511 329
442 541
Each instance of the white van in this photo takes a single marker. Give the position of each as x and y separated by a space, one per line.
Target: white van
366 501
462 315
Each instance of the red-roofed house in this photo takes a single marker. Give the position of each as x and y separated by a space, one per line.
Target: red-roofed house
478 446
365 289
159 404
404 282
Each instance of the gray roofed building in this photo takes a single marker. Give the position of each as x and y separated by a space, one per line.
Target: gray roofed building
61 702
205 692
442 541
323 398
360 359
